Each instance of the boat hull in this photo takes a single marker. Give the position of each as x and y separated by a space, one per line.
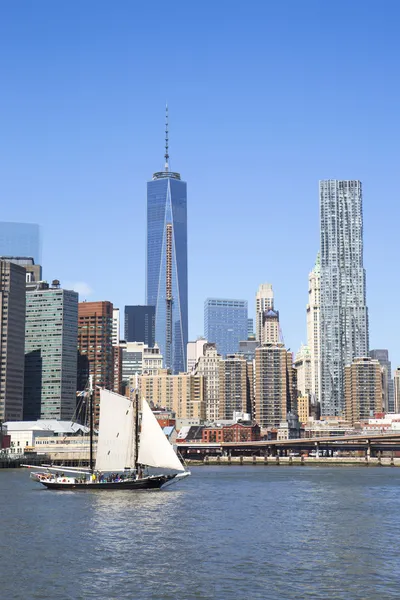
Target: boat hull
147 483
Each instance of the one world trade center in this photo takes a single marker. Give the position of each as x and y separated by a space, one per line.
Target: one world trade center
166 269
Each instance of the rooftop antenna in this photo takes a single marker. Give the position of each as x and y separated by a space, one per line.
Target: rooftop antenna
166 155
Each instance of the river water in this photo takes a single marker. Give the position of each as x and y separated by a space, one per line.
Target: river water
279 533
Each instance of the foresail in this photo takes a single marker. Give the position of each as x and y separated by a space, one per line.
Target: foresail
155 450
115 446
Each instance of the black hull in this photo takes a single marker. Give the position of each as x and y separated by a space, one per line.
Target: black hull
148 483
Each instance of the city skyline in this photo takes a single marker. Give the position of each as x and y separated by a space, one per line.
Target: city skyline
109 136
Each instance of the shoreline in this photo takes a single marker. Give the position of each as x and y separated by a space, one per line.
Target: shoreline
294 461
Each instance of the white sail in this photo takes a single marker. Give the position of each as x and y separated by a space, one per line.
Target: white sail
155 450
115 446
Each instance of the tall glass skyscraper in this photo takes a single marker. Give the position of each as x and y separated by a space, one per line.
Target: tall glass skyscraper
225 323
166 272
20 239
343 309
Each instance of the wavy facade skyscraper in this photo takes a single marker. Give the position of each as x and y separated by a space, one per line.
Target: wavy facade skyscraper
343 309
166 269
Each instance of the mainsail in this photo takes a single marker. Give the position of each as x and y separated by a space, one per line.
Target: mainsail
115 446
155 450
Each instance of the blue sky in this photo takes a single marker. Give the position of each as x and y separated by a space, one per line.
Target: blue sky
265 99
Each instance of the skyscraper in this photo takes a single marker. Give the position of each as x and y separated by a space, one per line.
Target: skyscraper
50 352
313 328
20 239
363 389
225 323
387 382
343 312
12 340
264 302
140 324
166 272
116 327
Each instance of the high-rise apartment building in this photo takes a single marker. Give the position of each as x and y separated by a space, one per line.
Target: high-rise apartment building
264 303
363 389
343 309
20 239
387 382
313 328
95 349
166 273
51 332
182 394
208 367
274 394
302 364
116 327
12 340
194 351
233 392
225 323
396 382
270 331
140 322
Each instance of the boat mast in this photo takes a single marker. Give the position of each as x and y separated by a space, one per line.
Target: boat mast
136 421
91 420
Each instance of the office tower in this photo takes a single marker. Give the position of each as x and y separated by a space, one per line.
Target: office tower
264 302
387 382
396 382
302 364
208 367
137 358
12 340
140 324
166 273
33 271
233 392
363 389
194 351
343 310
250 327
313 328
274 394
225 323
183 394
50 352
116 327
95 349
20 239
270 328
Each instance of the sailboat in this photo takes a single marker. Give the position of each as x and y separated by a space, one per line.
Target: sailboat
122 461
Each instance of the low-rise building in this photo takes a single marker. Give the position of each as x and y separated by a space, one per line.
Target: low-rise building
236 432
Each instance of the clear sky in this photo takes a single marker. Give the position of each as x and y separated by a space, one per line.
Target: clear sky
265 99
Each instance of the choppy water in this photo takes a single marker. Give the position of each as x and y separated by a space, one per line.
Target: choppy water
283 533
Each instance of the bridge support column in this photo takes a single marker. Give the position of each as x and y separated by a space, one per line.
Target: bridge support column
316 449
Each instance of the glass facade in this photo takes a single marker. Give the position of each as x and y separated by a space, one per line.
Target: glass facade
21 239
140 324
166 273
225 323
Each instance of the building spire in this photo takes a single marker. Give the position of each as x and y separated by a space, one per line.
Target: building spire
166 155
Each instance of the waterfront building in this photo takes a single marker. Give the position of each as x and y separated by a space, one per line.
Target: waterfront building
264 303
387 382
225 323
274 394
363 389
233 392
396 382
116 327
343 309
20 239
302 364
313 328
166 272
236 432
208 367
12 340
50 352
95 349
140 324
194 351
182 394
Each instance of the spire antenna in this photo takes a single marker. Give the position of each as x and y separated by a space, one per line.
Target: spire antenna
166 155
